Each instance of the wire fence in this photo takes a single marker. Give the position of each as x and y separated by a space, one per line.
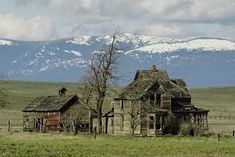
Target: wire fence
14 124
221 114
221 117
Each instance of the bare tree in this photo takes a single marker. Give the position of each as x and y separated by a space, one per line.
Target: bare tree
86 91
3 96
72 119
135 120
101 71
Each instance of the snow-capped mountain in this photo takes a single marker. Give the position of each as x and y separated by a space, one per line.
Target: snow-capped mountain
201 62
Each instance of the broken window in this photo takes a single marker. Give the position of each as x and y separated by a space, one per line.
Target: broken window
158 100
121 105
151 122
155 100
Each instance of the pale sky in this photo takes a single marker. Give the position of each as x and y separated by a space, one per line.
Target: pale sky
53 19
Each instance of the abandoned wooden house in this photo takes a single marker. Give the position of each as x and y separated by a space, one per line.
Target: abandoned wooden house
153 104
57 113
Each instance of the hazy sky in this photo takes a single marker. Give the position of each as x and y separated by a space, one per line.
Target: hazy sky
52 19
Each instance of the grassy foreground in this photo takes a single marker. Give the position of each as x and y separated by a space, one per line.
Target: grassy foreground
31 144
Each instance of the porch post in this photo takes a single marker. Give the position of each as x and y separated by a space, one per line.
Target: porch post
155 100
161 124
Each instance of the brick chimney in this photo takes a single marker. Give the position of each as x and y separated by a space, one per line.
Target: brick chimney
154 68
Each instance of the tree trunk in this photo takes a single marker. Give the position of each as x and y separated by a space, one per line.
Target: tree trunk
99 120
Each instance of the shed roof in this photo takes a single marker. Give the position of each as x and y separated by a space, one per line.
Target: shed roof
148 81
50 103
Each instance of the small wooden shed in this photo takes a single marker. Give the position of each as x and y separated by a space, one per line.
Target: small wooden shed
57 113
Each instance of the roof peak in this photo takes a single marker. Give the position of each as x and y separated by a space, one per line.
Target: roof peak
150 74
145 80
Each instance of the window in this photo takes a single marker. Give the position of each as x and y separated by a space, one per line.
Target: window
151 122
158 100
121 122
155 100
121 105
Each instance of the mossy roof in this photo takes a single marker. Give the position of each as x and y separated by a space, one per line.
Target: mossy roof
147 82
50 103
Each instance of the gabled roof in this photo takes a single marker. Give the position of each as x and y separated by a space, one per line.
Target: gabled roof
50 103
148 81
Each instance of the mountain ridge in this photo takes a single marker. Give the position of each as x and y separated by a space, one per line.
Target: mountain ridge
66 59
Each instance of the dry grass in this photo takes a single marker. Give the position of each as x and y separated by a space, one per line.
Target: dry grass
15 136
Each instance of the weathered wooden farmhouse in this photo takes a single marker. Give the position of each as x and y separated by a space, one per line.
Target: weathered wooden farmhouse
153 104
57 113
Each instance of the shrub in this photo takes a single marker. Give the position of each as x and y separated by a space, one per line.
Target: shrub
189 129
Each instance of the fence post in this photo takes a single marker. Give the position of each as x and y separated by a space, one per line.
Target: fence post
233 132
9 126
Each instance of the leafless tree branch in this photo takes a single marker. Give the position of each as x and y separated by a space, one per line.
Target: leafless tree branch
100 72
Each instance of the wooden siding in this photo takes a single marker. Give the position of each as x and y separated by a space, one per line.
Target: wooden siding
122 118
33 120
53 121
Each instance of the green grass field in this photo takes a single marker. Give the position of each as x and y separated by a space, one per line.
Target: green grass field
20 93
215 98
56 145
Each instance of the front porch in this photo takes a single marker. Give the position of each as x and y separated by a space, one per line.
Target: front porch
155 124
196 119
